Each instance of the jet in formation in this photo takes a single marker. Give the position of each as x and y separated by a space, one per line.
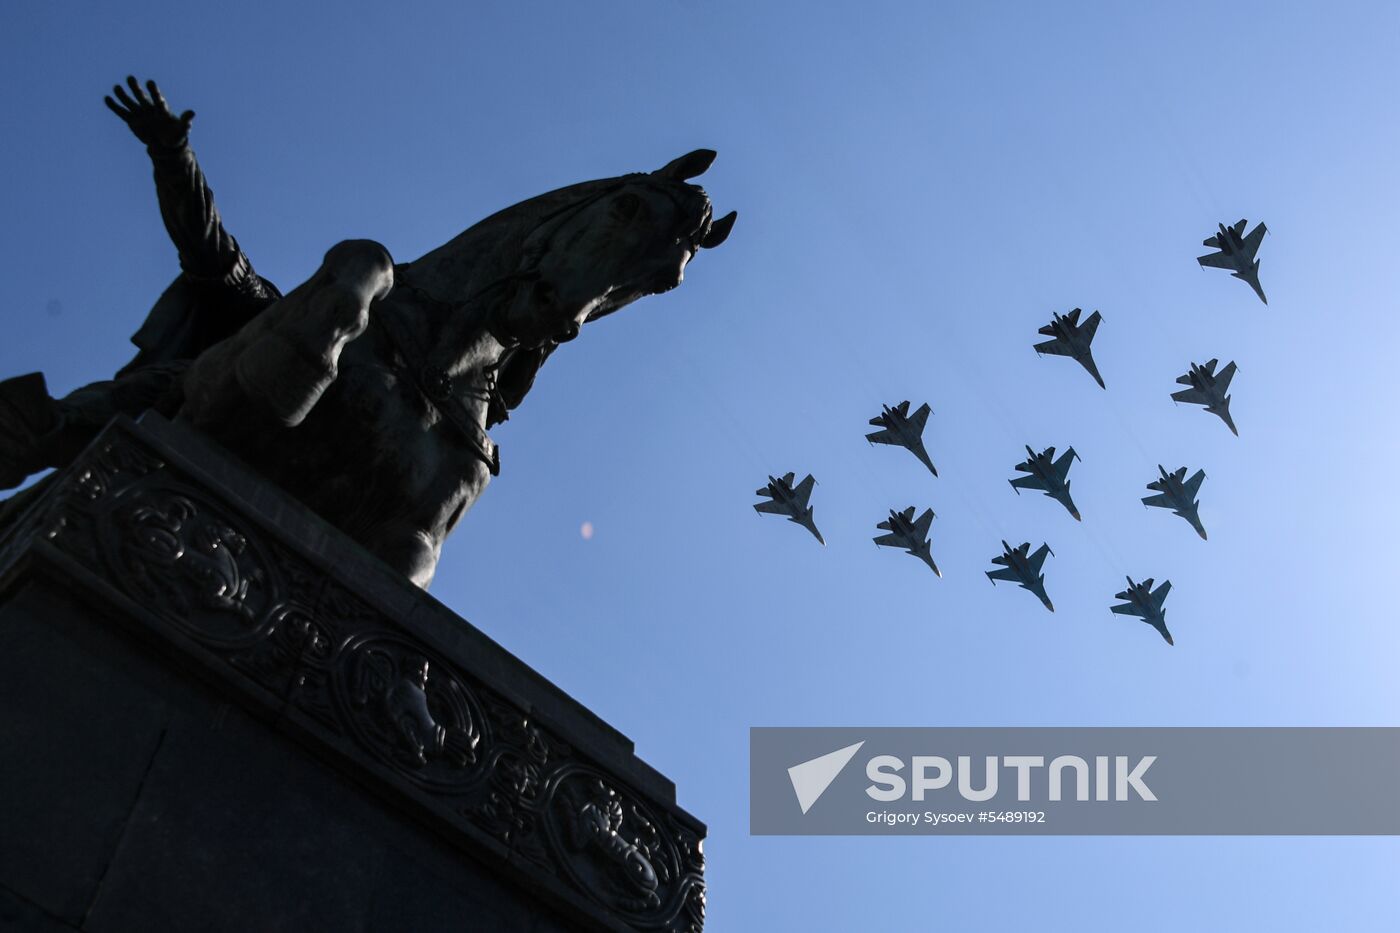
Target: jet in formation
1208 388
784 499
903 430
910 533
1047 474
1236 252
1177 493
1023 568
1141 601
1072 339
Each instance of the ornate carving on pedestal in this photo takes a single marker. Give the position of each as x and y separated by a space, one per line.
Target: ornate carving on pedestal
205 575
175 552
515 764
405 705
626 856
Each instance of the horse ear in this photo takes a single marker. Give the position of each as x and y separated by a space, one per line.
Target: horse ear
689 165
719 230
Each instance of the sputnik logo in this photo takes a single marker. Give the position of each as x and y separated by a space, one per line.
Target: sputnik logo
810 779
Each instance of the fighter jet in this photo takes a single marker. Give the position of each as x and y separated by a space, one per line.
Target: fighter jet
1177 493
1047 474
1140 601
1023 568
783 499
903 430
1208 388
1072 339
1236 251
909 533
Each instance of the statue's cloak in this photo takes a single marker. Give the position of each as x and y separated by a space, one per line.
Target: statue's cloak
192 315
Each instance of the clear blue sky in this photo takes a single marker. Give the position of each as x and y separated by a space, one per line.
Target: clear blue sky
920 185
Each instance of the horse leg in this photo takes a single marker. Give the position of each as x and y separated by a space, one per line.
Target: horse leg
411 551
280 363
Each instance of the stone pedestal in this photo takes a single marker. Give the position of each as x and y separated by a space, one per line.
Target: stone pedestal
219 713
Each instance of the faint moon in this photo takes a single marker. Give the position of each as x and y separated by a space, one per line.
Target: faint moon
586 530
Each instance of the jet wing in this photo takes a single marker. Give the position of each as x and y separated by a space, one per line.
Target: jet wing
804 490
1090 325
1190 397
1056 346
892 540
1029 482
1251 243
1216 260
1160 596
920 417
1004 574
1193 484
1063 463
1126 609
1038 558
1160 501
770 506
882 437
921 526
1223 379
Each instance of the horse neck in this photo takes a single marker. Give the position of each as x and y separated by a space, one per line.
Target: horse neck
409 331
453 338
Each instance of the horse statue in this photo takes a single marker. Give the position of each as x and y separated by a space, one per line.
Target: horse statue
368 390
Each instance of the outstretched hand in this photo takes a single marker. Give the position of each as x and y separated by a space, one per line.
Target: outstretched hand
149 117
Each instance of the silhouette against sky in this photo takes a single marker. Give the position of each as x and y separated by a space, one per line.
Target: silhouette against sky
919 186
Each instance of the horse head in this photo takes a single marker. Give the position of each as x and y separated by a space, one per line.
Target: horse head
534 273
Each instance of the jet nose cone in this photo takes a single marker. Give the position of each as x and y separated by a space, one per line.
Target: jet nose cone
1048 604
1168 637
1075 513
1202 533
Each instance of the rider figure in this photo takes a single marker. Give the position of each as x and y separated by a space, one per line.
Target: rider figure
216 293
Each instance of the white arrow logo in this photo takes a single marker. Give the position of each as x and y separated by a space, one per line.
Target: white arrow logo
811 778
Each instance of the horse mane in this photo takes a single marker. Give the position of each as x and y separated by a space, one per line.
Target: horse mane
495 247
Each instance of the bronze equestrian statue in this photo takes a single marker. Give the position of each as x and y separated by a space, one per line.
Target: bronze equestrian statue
368 390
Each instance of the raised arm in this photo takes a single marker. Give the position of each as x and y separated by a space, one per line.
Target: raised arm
208 253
